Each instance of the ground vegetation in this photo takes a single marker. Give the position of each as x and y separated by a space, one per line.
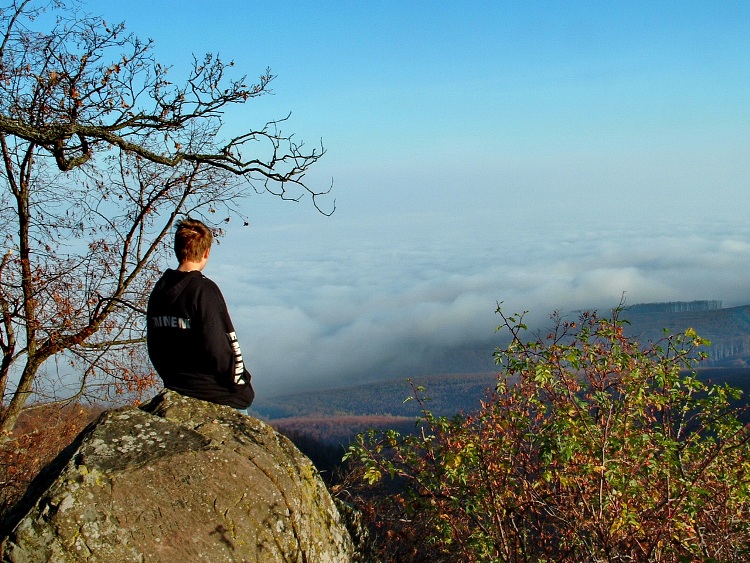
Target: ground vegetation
593 447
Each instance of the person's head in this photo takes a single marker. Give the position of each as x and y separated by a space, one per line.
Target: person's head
192 241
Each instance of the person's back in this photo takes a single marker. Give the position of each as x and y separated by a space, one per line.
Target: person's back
191 339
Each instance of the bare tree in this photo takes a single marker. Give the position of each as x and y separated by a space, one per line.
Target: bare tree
100 154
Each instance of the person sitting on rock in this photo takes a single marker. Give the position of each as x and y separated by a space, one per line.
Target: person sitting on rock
190 337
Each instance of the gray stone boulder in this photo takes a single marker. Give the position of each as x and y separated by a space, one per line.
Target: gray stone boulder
177 480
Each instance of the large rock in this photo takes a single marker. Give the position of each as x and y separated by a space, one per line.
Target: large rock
178 480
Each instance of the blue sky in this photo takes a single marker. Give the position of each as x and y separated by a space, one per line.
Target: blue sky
549 155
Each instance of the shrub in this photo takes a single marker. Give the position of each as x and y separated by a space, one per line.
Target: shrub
591 448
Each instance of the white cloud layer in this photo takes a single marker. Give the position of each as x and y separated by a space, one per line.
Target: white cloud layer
359 305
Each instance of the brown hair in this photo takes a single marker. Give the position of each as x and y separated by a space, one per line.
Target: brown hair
191 240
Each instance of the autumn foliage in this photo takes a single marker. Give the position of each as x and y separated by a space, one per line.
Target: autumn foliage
594 447
41 433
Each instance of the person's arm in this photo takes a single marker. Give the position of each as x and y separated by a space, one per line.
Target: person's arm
220 338
241 375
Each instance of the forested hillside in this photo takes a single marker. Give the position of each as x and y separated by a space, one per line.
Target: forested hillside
446 395
727 329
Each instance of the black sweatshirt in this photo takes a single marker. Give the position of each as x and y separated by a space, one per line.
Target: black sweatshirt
191 341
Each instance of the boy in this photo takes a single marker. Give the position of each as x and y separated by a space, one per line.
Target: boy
191 339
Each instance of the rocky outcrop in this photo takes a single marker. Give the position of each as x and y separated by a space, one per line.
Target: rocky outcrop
177 480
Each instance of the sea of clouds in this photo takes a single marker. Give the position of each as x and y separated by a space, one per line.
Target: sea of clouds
337 303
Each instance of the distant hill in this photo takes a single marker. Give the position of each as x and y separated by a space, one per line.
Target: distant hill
729 361
675 306
446 395
727 329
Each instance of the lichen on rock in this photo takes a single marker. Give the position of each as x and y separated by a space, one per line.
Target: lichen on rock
177 480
